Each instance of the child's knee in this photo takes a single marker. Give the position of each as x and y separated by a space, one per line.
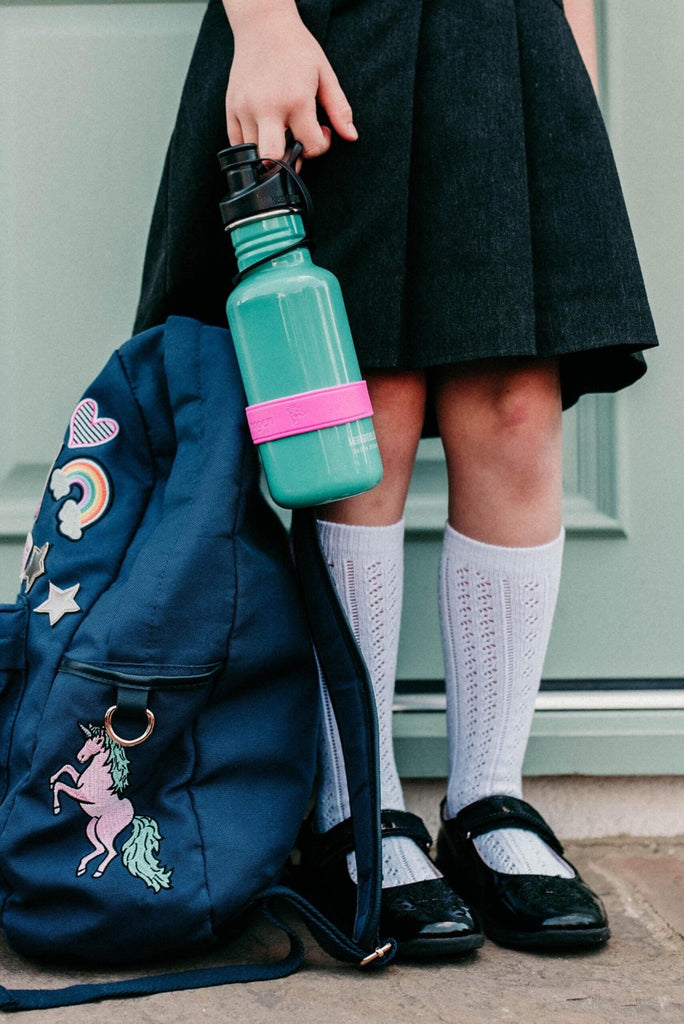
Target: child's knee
499 400
525 400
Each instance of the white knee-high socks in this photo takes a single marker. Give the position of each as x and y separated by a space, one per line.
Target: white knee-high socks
496 610
367 567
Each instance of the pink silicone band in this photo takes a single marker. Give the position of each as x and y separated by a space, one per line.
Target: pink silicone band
310 410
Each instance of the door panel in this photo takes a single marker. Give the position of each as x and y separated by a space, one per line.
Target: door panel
88 93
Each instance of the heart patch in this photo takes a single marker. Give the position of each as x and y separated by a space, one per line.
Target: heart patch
87 429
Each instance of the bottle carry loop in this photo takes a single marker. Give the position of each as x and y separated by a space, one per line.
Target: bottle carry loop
303 243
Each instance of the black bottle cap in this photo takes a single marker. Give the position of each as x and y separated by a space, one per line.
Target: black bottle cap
257 186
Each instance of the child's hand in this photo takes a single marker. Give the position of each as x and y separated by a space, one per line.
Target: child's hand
279 72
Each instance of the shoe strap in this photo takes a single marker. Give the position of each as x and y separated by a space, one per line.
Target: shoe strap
338 841
404 823
493 812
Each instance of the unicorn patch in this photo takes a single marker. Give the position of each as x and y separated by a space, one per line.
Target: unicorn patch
99 790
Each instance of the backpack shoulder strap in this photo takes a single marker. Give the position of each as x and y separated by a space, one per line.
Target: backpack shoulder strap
352 699
330 939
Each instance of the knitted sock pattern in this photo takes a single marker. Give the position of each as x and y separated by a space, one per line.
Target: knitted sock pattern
496 611
366 564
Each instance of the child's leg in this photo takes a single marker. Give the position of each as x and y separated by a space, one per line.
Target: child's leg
501 427
363 539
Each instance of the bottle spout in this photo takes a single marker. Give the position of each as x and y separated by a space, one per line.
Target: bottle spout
240 165
257 186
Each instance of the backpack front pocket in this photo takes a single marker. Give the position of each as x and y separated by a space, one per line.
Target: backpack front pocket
102 838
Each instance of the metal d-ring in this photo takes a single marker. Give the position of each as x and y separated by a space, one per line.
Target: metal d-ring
109 714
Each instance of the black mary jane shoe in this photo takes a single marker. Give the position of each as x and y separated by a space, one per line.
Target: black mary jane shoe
427 919
521 911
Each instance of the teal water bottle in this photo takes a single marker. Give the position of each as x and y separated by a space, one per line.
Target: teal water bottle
309 410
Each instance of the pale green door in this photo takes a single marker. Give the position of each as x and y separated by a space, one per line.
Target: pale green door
88 93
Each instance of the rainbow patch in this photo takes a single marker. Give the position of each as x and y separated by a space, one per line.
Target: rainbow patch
90 479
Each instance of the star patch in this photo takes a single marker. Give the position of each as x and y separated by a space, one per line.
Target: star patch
35 565
59 603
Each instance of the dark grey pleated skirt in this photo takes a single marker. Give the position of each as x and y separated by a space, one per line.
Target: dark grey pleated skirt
479 215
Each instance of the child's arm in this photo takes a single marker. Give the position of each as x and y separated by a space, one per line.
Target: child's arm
580 15
279 72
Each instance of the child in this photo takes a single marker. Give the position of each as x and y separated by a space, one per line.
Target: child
467 199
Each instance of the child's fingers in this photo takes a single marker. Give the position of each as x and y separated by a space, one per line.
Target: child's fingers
235 135
271 138
242 127
336 105
305 128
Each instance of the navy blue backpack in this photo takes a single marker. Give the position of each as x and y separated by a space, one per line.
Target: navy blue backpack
159 699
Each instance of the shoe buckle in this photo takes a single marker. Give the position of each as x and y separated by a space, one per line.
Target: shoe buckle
378 953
